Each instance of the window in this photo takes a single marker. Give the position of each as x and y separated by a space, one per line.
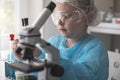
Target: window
7 24
7 16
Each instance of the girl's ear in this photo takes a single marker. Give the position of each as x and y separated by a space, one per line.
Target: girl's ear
91 16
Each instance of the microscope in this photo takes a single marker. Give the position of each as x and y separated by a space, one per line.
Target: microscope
29 38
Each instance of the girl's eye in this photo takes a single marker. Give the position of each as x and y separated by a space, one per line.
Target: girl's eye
67 16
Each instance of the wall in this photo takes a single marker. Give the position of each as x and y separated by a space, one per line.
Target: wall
35 8
103 4
22 11
27 8
115 43
117 6
49 28
116 38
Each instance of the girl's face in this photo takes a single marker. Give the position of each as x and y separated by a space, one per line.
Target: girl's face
70 21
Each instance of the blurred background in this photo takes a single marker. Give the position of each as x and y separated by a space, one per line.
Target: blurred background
108 29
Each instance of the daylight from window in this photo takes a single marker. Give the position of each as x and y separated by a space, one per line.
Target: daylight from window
7 18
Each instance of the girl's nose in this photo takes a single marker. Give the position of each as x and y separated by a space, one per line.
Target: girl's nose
61 21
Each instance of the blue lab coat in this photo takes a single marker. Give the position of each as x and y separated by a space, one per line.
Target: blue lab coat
86 60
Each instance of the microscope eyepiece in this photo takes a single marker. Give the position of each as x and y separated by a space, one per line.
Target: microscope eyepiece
51 6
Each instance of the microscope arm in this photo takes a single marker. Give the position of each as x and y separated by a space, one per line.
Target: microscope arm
52 53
